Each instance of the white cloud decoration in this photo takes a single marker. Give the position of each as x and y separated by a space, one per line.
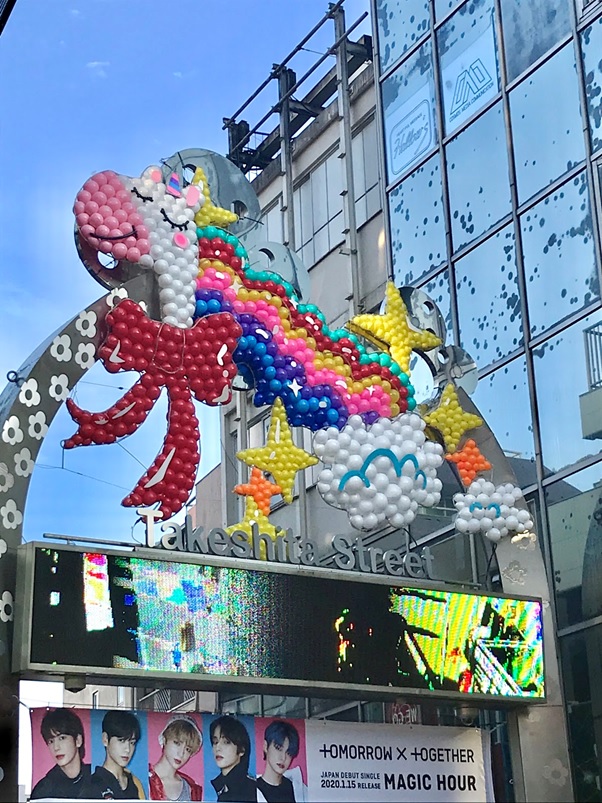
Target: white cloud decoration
381 472
491 510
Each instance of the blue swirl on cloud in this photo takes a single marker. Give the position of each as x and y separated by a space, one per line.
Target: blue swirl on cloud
397 465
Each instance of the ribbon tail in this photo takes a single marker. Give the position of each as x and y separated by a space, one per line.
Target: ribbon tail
170 479
122 419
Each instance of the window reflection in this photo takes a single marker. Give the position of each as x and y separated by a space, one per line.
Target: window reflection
560 262
408 111
400 24
469 66
575 520
531 29
438 290
569 400
443 7
548 136
488 299
510 422
591 47
477 165
581 655
417 226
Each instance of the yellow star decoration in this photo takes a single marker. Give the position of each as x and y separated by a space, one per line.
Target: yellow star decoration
209 214
392 331
253 515
451 420
279 456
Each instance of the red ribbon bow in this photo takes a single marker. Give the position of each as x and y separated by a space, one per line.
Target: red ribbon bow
188 362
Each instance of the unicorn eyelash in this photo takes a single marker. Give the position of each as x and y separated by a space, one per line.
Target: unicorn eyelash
144 198
167 219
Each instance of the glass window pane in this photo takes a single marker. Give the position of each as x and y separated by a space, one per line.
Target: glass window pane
334 175
490 323
591 47
560 263
581 661
408 112
305 204
569 401
510 423
442 7
477 165
469 66
417 226
319 196
400 24
531 29
438 290
575 520
548 136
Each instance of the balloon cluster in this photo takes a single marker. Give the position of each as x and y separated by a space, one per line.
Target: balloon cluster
287 351
469 462
491 510
382 472
190 362
147 221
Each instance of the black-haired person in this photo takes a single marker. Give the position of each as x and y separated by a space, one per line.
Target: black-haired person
112 781
231 748
63 732
280 747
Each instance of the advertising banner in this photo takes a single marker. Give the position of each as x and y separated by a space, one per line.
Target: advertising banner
470 79
125 755
129 616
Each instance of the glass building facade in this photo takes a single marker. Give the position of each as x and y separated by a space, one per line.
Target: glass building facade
491 122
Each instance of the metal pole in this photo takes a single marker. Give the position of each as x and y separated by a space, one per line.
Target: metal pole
346 155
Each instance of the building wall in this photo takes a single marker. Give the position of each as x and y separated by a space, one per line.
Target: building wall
496 212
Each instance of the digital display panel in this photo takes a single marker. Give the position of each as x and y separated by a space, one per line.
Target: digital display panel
124 612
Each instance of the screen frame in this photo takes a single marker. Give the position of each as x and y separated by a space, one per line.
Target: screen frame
29 670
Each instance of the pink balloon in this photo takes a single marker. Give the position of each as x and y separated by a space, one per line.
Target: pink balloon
105 246
99 197
133 254
120 250
114 203
103 231
143 246
86 230
82 219
96 219
105 211
79 207
91 207
120 215
91 186
84 196
111 222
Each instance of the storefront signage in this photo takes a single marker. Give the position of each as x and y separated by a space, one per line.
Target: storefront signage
297 760
271 627
349 552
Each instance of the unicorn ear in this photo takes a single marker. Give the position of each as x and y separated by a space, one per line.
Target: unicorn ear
192 194
153 173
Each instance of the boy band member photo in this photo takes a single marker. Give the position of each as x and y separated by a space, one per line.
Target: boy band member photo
63 732
280 747
231 748
112 781
180 740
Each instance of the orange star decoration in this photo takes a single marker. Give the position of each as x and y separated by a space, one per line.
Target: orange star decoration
469 461
280 457
393 331
451 420
259 489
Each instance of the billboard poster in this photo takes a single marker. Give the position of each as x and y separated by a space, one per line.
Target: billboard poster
138 755
131 616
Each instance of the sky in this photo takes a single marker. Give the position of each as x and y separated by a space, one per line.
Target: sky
89 85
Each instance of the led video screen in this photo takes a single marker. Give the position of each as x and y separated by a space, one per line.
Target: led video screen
123 612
